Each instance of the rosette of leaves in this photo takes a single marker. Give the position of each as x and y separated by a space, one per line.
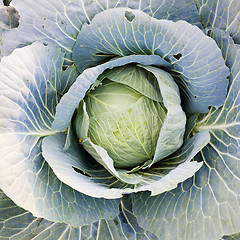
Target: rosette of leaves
119 119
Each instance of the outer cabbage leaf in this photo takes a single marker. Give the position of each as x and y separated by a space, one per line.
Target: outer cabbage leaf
65 163
32 82
223 14
81 172
205 206
16 223
59 21
193 55
166 174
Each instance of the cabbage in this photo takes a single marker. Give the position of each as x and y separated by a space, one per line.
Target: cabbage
119 119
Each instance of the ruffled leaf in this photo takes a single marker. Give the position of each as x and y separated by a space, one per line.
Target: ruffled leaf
77 91
59 21
81 172
210 199
137 78
32 82
172 131
193 55
16 223
223 14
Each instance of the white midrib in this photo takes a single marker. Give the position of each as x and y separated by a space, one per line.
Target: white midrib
217 126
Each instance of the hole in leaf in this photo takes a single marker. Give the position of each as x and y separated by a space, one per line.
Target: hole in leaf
129 16
209 32
177 56
195 96
6 2
81 172
106 55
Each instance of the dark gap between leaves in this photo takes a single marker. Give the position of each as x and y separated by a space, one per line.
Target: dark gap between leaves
81 172
177 56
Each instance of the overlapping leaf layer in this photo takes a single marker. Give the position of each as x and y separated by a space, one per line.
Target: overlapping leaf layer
51 187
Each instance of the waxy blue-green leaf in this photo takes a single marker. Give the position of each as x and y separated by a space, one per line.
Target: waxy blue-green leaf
64 164
168 173
16 223
31 84
77 91
81 172
223 14
193 55
59 21
205 206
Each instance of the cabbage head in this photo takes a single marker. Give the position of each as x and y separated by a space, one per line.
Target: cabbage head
119 119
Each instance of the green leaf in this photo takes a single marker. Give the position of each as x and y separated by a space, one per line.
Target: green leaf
171 134
168 173
31 83
58 22
81 126
80 171
202 75
77 91
65 163
129 135
190 124
205 206
223 14
18 224
137 78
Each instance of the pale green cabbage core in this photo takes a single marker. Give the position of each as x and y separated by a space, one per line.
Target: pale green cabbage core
133 113
124 122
